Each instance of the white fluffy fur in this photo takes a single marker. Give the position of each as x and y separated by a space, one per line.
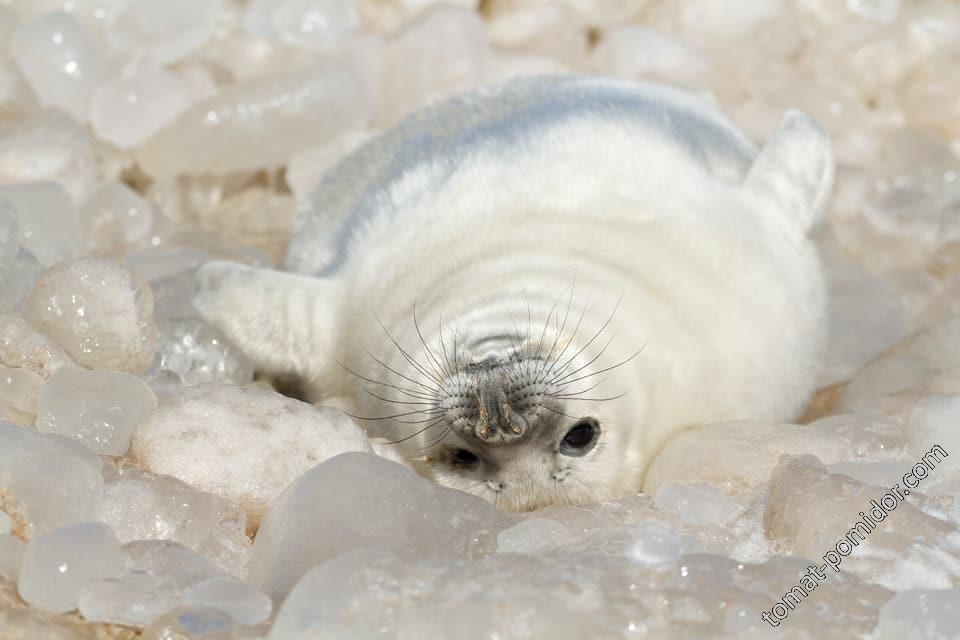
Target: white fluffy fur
659 204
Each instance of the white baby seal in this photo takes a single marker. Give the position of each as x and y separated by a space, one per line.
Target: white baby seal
533 287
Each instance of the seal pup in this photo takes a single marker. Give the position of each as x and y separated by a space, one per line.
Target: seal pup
531 288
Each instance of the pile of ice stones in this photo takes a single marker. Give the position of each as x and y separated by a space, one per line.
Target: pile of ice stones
150 487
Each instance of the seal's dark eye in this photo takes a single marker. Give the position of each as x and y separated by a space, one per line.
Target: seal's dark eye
464 459
580 438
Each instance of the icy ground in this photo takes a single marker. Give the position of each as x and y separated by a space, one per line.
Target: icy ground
138 138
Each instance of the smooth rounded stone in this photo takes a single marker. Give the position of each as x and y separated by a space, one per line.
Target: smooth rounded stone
696 503
923 364
637 53
171 562
356 500
198 353
22 346
919 614
190 623
59 564
114 218
245 604
167 31
49 227
932 422
260 123
97 310
48 146
305 169
134 599
143 506
19 389
736 456
60 61
100 409
50 481
533 535
808 510
441 52
130 108
865 318
321 25
655 543
246 444
11 557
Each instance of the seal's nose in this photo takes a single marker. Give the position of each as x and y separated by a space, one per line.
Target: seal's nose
497 419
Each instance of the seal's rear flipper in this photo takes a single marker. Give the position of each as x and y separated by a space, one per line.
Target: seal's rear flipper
795 170
282 321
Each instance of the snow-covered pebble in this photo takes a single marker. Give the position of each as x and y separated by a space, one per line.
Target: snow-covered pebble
97 310
48 495
59 564
101 409
244 443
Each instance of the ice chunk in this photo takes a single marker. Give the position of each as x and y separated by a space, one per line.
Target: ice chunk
114 218
933 422
97 310
199 353
101 409
245 604
696 503
637 53
19 389
655 543
246 444
356 500
878 474
49 227
11 557
142 506
533 535
312 24
59 564
23 346
167 31
133 599
48 495
171 273
199 624
60 61
261 123
737 455
919 614
130 108
51 147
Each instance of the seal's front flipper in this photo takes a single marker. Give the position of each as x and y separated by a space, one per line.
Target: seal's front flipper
282 321
794 170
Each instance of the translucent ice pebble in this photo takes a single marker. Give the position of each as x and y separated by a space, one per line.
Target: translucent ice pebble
115 217
101 409
919 615
19 389
50 481
533 535
49 228
246 444
168 31
22 346
198 353
58 564
97 310
60 61
312 24
244 603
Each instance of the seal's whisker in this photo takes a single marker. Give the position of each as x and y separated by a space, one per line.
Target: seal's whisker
562 393
610 368
392 401
602 328
416 433
397 373
573 336
442 435
443 345
439 370
408 392
559 330
561 413
560 378
413 361
396 415
546 323
616 397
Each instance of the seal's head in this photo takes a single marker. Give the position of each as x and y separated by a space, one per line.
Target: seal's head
522 429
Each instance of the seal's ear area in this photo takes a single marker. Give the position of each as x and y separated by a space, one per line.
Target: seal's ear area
277 319
795 169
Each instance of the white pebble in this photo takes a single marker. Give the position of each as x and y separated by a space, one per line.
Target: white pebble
262 122
11 557
115 217
168 31
130 108
101 409
59 564
133 599
49 495
245 604
246 444
49 227
97 310
60 61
